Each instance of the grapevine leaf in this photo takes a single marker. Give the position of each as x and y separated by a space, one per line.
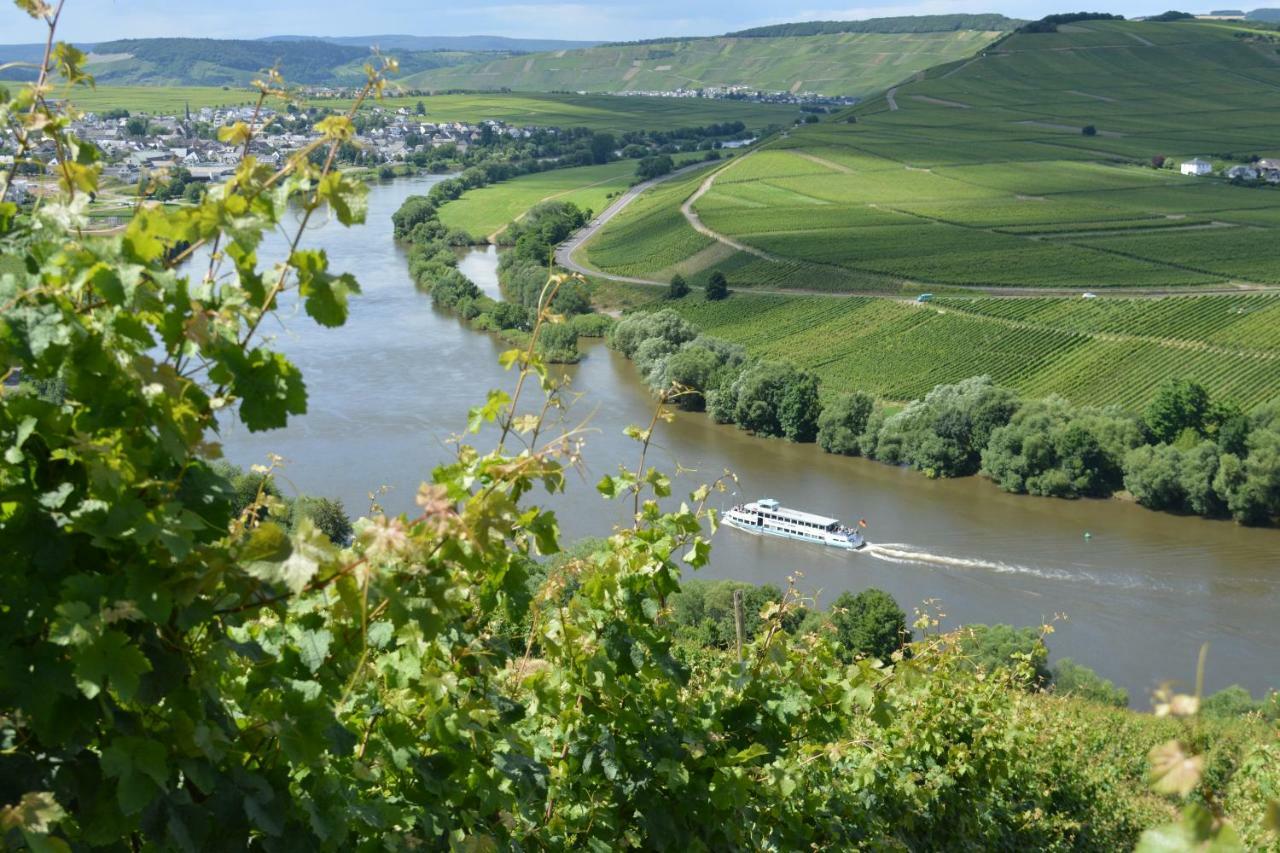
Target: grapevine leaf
110 660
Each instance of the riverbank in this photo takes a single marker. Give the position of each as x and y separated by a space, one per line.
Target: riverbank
1184 453
1140 596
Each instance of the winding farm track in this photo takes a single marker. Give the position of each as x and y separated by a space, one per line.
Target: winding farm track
695 222
566 250
565 258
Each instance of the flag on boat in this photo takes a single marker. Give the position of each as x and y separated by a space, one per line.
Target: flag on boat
862 522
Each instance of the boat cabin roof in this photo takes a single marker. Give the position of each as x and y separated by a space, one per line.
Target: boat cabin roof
770 505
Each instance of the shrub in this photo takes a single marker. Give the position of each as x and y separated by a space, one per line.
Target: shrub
717 286
943 435
593 325
868 623
1071 678
679 287
842 421
993 648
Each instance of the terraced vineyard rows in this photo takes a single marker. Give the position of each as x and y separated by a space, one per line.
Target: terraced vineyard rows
1244 321
1009 192
651 235
899 350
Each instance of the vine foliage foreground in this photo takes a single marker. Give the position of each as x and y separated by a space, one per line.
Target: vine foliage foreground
175 676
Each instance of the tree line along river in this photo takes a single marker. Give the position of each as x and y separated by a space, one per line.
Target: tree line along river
1140 594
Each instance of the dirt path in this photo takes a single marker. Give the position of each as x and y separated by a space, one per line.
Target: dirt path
565 258
691 215
1103 98
566 250
1139 39
941 102
960 68
822 161
891 97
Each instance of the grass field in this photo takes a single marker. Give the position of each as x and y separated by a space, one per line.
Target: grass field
598 112
843 64
483 212
982 176
1113 351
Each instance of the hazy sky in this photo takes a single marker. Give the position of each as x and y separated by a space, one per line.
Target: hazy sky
101 20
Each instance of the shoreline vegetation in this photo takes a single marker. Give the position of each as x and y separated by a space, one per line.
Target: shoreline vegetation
1184 453
178 671
522 274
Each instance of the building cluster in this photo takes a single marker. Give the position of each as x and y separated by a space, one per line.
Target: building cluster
744 93
174 141
1264 170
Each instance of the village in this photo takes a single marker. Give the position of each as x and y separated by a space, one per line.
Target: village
1259 170
137 145
743 93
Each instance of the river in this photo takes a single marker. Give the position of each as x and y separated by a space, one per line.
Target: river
1140 595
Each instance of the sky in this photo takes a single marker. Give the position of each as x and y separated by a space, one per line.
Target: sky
610 20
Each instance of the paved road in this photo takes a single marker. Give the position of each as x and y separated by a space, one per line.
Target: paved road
566 250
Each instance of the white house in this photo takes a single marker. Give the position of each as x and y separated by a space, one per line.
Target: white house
1197 167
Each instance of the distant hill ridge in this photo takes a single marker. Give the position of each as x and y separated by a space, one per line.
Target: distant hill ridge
902 24
832 58
393 41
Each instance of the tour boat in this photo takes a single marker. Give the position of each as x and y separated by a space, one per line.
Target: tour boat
766 517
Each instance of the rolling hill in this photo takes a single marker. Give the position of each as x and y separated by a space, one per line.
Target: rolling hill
979 177
393 41
223 62
982 173
860 60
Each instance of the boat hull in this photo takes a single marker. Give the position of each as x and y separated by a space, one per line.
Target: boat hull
853 544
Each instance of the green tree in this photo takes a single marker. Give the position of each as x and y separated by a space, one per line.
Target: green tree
800 408
944 434
1073 679
137 126
1229 703
696 370
842 421
602 147
679 287
868 623
757 393
558 342
328 515
993 648
717 286
654 167
1179 404
1153 476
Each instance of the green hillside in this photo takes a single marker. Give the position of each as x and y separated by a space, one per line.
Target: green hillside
229 62
833 64
978 175
1103 352
981 174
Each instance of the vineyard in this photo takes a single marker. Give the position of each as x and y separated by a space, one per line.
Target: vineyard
833 64
1099 352
979 173
651 235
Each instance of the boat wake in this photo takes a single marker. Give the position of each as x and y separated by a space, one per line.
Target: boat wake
906 554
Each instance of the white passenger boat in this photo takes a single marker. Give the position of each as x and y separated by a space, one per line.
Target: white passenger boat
766 517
